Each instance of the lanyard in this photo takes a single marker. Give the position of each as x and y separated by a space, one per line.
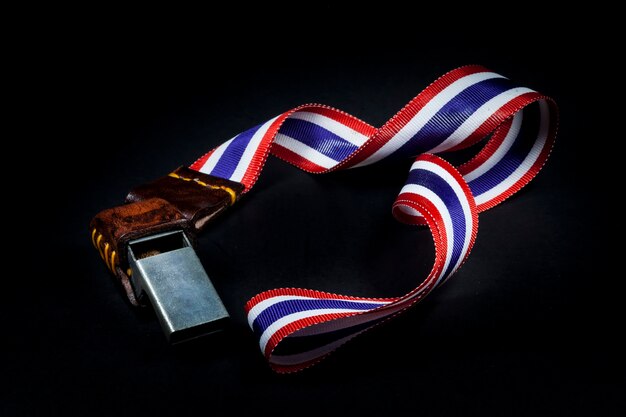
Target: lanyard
298 327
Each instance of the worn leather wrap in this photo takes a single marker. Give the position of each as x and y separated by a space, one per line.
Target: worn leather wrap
185 199
186 190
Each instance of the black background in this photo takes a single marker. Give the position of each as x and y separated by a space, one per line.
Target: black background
526 327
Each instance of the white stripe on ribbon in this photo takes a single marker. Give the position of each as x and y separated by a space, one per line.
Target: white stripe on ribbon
261 306
331 125
305 151
248 154
265 304
215 157
529 161
504 147
331 326
286 320
481 115
456 187
425 114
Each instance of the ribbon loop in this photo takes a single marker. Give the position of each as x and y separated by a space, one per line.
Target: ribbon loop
298 327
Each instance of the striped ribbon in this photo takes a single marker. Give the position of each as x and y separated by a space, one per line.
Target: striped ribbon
298 327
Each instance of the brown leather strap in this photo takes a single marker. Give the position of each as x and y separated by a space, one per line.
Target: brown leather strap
185 199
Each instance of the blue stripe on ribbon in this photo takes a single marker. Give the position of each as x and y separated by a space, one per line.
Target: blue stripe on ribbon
232 155
287 307
318 138
452 115
444 191
514 157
